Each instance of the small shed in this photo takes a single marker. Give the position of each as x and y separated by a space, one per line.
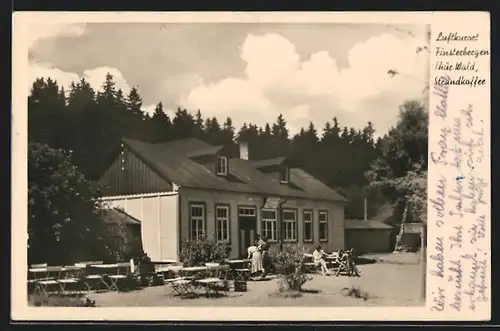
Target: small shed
124 229
368 236
412 236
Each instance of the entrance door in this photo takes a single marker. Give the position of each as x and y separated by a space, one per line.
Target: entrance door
247 224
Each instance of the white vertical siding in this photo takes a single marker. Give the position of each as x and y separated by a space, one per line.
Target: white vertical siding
169 229
150 228
159 217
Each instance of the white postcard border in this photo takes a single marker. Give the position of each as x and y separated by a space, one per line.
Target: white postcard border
475 22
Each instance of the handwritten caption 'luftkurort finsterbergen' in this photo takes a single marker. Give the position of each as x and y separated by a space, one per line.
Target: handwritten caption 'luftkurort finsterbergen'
458 59
460 281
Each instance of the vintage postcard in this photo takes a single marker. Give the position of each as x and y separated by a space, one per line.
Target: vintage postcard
251 166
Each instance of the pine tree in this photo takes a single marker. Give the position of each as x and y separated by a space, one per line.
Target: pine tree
161 125
134 103
199 125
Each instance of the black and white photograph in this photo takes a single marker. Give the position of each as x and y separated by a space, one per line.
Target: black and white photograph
227 164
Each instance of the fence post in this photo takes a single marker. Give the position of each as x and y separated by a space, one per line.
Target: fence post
423 259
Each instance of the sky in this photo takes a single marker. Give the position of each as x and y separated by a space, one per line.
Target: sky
247 71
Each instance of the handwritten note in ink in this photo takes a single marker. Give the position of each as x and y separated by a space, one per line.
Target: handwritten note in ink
458 267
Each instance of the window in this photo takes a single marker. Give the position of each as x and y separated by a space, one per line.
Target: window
289 225
284 175
222 223
308 226
323 225
269 221
222 165
246 211
197 221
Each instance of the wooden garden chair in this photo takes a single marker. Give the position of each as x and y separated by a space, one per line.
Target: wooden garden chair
91 281
175 281
35 275
50 284
122 273
343 263
243 274
71 280
217 283
183 286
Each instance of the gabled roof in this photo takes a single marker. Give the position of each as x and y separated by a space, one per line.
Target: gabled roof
117 216
366 225
172 161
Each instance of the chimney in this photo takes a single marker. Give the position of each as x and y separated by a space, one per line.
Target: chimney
243 150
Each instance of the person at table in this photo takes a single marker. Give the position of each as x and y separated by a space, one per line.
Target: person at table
319 261
256 256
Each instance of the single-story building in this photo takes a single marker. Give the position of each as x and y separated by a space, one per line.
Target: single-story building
412 236
186 188
368 236
125 229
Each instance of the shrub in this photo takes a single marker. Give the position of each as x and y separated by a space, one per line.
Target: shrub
290 265
202 250
145 269
354 292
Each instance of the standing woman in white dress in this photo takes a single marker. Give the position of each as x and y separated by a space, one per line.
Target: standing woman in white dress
256 258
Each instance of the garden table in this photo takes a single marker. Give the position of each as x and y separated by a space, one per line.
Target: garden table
184 285
35 272
239 269
165 261
192 271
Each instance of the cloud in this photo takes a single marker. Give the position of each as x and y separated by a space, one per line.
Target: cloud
277 81
94 76
39 31
37 70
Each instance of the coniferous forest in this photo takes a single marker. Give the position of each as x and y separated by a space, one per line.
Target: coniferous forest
88 122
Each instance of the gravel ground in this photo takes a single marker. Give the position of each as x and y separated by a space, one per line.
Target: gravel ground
386 284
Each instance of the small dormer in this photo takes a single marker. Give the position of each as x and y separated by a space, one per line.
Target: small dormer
279 168
215 159
284 173
222 165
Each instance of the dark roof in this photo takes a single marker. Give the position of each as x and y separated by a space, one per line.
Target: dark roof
187 145
117 216
205 151
413 227
268 162
170 160
366 225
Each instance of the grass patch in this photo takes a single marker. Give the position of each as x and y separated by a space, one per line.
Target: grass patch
59 301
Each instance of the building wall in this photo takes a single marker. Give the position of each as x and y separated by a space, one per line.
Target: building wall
129 175
369 240
158 214
234 200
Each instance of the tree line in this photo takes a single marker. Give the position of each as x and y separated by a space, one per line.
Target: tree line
88 125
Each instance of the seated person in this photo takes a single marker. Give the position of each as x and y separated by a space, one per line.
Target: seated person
318 255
